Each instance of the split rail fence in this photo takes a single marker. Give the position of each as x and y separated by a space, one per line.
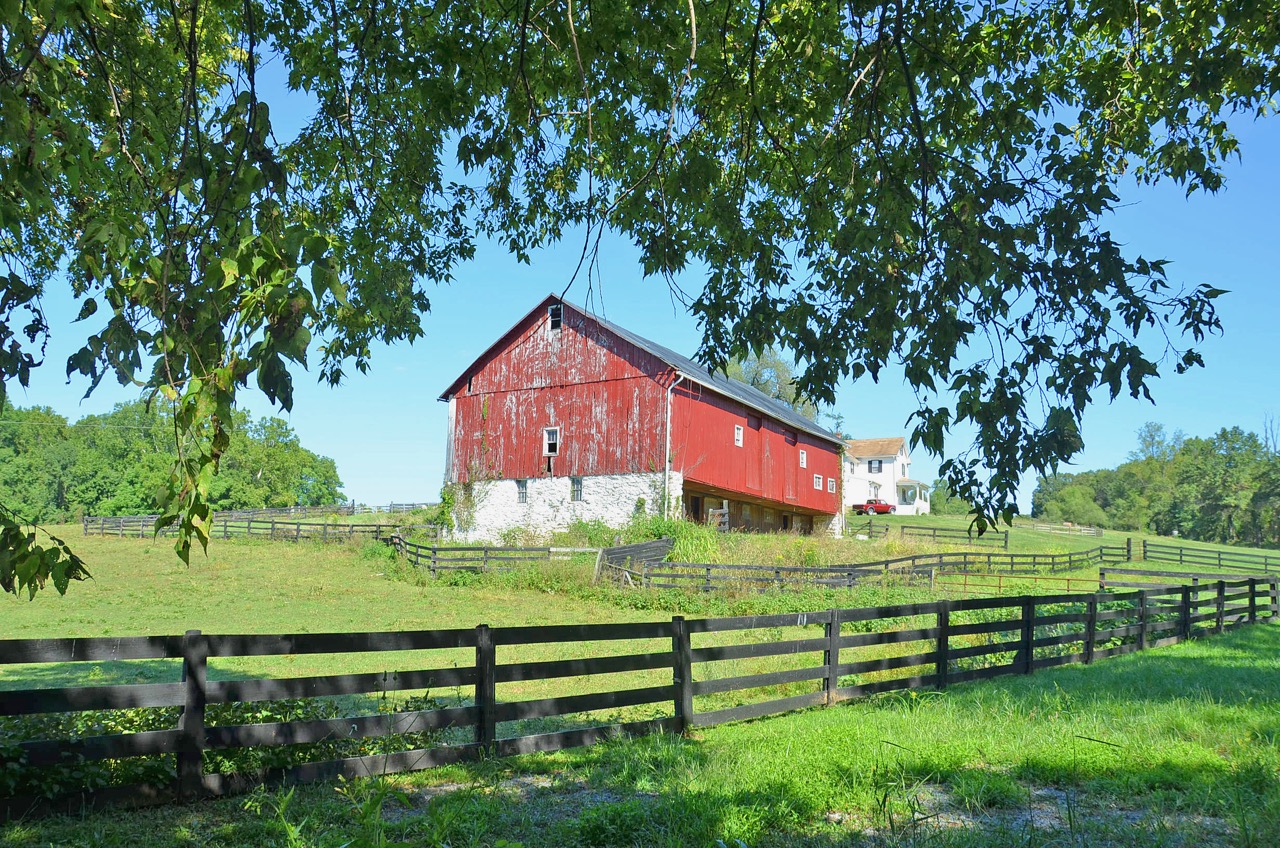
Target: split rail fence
837 655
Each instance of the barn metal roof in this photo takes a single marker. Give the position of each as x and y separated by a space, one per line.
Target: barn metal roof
719 383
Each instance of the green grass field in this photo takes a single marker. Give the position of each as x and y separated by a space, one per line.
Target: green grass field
1176 746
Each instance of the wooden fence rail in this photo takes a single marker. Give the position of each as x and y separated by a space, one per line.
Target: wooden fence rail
838 654
997 538
277 512
227 526
1155 552
711 576
476 559
1067 529
869 528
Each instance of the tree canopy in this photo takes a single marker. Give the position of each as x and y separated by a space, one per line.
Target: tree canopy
773 374
113 464
864 183
1225 488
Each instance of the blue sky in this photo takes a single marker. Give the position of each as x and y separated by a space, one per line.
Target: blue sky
386 429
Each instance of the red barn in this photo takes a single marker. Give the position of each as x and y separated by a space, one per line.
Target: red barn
569 416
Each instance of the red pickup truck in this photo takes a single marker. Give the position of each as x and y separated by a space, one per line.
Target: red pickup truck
875 506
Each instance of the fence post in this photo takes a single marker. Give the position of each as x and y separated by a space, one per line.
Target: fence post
1253 600
682 673
1220 606
1102 579
1128 549
943 668
486 688
1025 647
1142 619
191 731
248 528
1185 612
831 656
1091 628
1006 541
1144 550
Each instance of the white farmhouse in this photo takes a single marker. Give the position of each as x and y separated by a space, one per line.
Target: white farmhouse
881 469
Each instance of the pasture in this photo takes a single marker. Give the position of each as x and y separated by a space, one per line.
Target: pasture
1127 751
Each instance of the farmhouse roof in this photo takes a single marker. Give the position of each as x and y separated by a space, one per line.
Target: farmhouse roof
684 366
874 447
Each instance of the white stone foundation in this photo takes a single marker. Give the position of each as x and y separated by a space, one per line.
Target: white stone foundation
495 509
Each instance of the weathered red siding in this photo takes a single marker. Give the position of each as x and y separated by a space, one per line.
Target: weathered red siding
605 394
768 463
609 399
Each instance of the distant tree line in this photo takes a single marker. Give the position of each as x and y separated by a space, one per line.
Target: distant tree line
117 463
1225 488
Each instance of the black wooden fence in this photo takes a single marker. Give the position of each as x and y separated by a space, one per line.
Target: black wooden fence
229 526
1237 559
710 576
995 538
476 559
869 528
845 653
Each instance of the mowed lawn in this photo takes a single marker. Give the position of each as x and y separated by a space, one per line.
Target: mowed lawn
141 588
258 586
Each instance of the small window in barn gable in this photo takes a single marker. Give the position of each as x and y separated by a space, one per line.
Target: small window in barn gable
550 441
575 488
468 385
831 485
817 482
804 458
737 435
522 491
555 316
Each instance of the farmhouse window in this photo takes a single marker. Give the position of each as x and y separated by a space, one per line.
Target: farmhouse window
522 491
551 441
817 482
875 466
737 435
831 485
555 316
575 488
804 458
